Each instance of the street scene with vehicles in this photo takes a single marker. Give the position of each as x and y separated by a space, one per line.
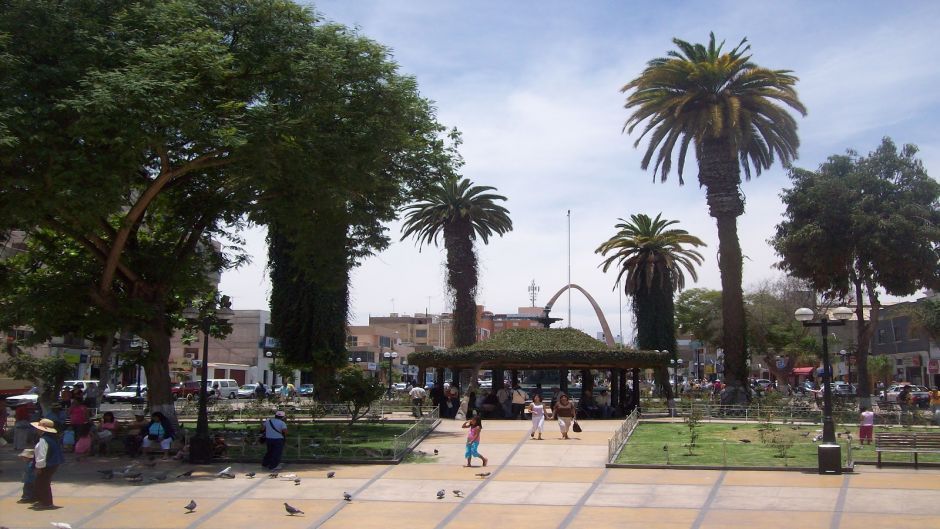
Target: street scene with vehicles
352 264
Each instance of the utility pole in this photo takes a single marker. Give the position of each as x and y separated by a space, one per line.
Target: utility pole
533 292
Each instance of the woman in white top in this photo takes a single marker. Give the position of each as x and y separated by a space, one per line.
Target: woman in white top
538 411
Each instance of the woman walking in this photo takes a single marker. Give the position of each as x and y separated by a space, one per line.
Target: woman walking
48 456
473 440
538 411
565 413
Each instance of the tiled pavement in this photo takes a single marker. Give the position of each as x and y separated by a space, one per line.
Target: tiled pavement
537 484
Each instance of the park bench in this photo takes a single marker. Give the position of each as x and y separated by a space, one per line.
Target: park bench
909 443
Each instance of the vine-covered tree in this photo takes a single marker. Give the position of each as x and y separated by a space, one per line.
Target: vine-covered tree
652 259
732 111
859 226
461 212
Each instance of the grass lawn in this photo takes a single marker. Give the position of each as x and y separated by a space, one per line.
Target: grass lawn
720 444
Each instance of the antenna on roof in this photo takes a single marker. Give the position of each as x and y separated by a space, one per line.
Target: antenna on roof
533 292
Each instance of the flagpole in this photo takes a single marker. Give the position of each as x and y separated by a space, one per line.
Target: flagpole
569 268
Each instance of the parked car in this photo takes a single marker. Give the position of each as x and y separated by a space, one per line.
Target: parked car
188 390
305 390
84 385
920 394
228 388
30 397
247 391
762 383
399 386
128 394
843 389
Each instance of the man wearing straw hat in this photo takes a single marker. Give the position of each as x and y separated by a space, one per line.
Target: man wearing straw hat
48 457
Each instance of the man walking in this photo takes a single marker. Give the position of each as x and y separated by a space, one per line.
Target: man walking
418 395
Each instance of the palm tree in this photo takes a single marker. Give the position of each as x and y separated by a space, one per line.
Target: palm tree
733 111
461 212
653 260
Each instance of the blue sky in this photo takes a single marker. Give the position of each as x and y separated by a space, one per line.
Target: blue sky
534 87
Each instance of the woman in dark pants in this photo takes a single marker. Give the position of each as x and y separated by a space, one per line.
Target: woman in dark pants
48 456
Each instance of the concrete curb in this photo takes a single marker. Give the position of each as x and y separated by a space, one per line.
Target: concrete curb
813 470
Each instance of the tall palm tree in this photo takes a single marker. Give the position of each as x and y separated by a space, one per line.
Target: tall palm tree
461 212
733 111
652 259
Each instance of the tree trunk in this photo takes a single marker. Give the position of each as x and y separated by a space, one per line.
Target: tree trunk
106 345
462 281
157 368
720 173
865 332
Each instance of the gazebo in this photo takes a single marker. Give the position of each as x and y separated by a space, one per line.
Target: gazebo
534 348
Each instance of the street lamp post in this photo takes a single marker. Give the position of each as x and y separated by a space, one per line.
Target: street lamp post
390 356
218 311
829 453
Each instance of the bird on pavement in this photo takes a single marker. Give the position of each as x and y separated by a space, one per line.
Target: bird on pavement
187 474
288 476
440 494
132 475
190 507
435 451
60 525
458 493
330 474
137 478
292 510
224 472
347 496
273 475
297 481
106 474
250 475
159 476
484 474
744 440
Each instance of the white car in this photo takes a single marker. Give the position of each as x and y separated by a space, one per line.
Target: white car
128 394
32 397
919 393
399 386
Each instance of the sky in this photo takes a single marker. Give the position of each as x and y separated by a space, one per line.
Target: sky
534 87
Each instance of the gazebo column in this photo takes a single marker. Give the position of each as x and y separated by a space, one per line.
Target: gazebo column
422 375
636 389
455 380
612 388
587 380
514 377
498 381
438 377
622 390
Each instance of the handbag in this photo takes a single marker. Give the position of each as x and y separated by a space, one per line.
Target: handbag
575 427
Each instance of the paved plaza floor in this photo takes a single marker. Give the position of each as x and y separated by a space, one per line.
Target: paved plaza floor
533 484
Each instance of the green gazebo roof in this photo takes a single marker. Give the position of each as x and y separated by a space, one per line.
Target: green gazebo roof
540 349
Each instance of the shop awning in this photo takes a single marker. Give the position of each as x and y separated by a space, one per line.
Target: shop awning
803 371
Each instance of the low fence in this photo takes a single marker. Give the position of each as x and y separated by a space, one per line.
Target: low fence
797 412
727 454
620 437
239 410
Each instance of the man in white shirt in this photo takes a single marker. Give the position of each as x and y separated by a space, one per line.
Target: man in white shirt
518 402
418 394
504 396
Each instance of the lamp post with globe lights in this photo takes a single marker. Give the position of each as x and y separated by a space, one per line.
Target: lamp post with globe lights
390 356
829 452
218 311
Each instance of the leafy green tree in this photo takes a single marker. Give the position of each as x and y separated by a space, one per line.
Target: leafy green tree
461 212
698 313
881 368
860 225
358 390
772 330
732 110
193 117
925 316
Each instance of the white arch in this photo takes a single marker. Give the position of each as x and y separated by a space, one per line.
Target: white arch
597 310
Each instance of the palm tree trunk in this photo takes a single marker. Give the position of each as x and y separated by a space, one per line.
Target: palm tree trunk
720 174
462 280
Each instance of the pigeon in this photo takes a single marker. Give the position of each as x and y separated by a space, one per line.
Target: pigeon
458 493
187 474
330 474
744 440
135 479
106 474
289 476
225 471
292 510
347 496
804 434
61 525
191 506
250 475
227 476
132 475
665 448
159 476
435 451
484 474
297 481
734 427
273 475
440 494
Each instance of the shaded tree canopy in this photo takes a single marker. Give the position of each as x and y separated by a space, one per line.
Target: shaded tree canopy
860 225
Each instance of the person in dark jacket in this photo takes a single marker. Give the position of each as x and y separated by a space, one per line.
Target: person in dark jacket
48 456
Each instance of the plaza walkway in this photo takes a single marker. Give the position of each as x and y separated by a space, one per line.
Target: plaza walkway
533 484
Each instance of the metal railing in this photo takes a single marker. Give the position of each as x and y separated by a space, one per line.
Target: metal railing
620 437
409 439
792 413
728 453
